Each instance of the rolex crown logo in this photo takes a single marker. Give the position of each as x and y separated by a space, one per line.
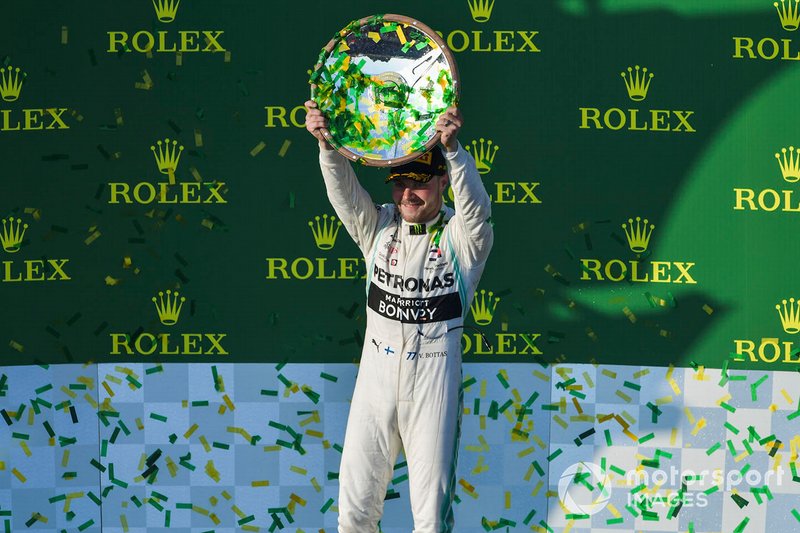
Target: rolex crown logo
637 81
483 307
11 238
166 9
481 10
790 315
638 233
11 80
325 230
169 308
789 14
167 155
790 164
483 152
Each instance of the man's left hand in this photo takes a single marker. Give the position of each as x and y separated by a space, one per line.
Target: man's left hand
448 125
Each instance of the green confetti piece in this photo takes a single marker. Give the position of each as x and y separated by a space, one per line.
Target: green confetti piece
472 381
796 514
400 479
714 448
220 445
727 407
741 525
327 506
608 438
94 498
41 389
154 370
554 455
733 429
328 377
97 465
156 416
646 438
633 386
267 392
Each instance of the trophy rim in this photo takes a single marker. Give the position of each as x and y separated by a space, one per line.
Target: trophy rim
451 61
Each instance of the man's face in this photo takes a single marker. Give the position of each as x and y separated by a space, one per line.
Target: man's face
418 202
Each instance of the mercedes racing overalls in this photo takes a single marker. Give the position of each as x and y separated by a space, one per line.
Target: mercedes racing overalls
420 281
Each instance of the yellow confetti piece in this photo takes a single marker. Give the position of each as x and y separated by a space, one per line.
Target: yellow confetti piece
196 174
526 451
262 483
25 449
16 346
560 421
111 282
541 376
787 397
623 396
258 149
630 435
90 400
19 475
537 488
213 501
700 425
221 410
200 510
228 402
108 389
172 467
198 138
91 238
375 36
675 387
401 35
65 458
285 147
724 399
708 309
314 433
205 444
673 436
608 373
139 424
298 470
68 392
227 56
273 448
179 59
664 400
212 472
64 35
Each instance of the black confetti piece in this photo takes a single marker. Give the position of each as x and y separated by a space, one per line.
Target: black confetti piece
100 329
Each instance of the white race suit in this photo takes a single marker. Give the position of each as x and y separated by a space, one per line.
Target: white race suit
420 282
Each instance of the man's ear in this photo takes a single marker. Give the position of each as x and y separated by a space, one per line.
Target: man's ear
443 181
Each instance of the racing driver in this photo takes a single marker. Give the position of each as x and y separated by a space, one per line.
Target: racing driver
423 261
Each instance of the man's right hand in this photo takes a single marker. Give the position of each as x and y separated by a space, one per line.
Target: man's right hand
315 121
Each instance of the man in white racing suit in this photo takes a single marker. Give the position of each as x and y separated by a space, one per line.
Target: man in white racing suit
423 261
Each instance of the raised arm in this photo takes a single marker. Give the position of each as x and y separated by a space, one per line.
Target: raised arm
353 205
471 224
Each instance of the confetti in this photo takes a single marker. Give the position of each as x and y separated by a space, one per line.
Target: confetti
258 148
